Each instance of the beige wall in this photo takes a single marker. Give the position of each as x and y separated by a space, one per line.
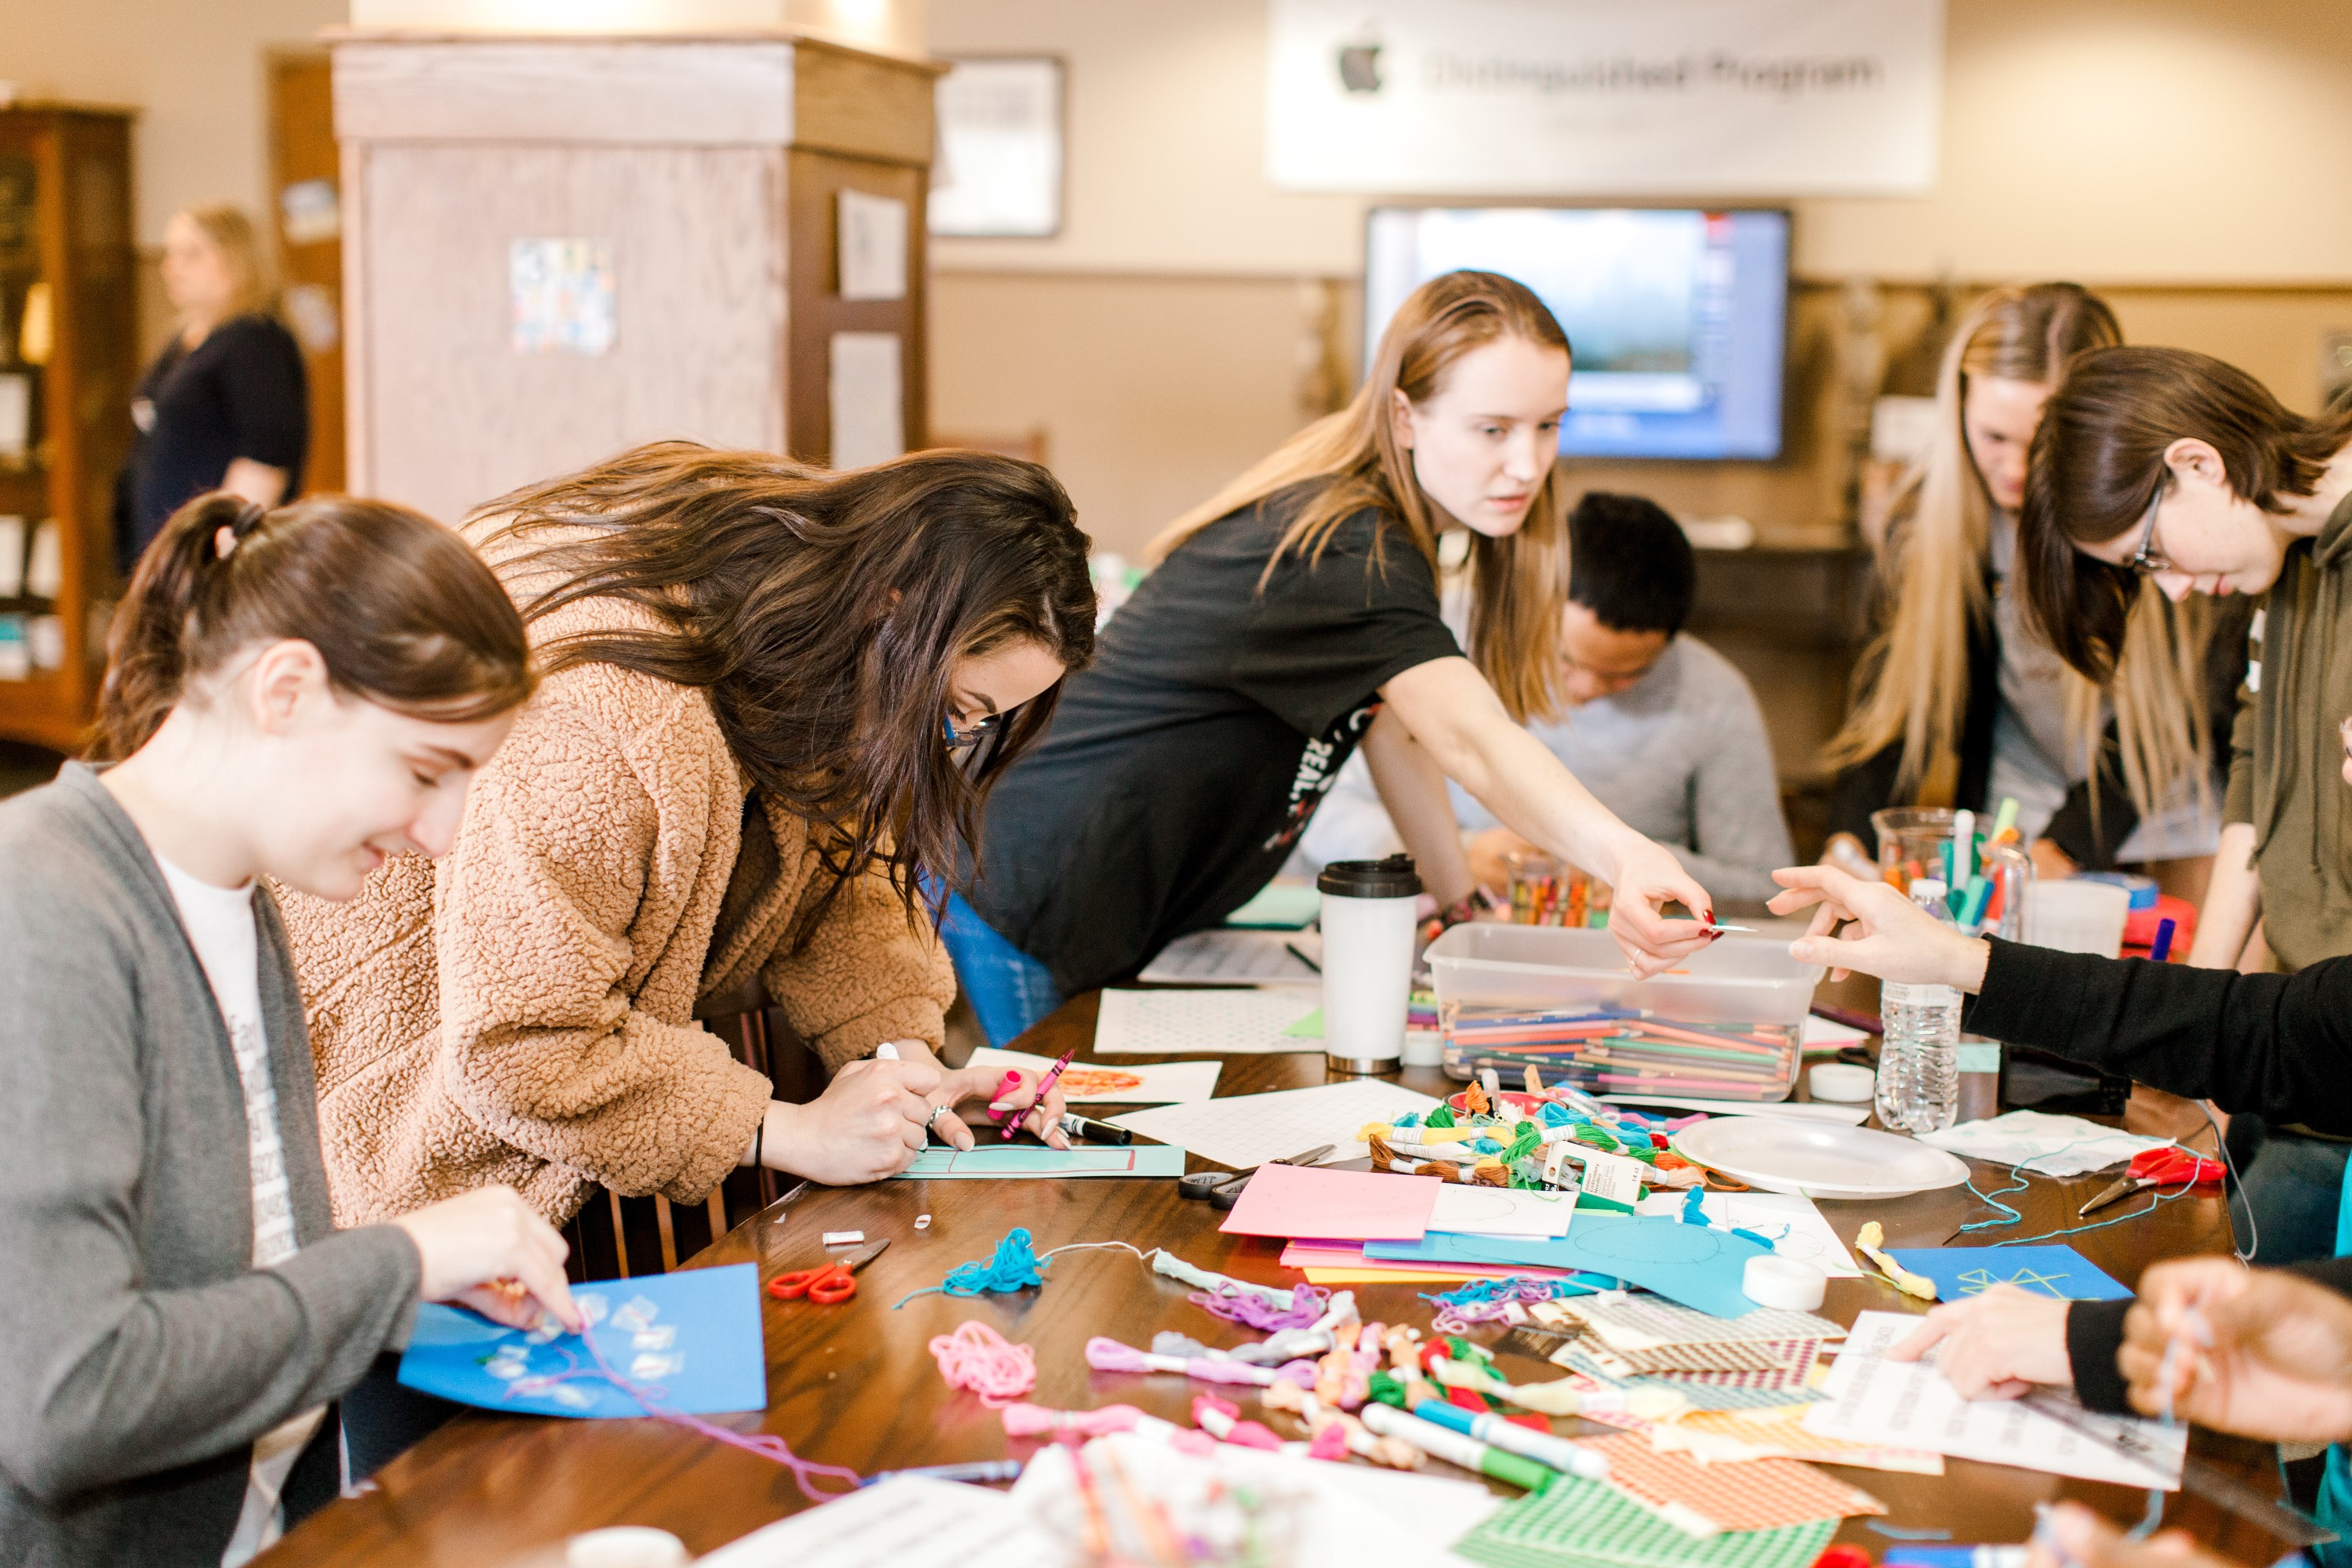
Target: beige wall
191 67
2154 141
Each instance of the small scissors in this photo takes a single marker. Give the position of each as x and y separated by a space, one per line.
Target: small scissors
830 1285
1222 1189
2157 1168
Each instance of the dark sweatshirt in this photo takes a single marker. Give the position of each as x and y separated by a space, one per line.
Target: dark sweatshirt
2277 1044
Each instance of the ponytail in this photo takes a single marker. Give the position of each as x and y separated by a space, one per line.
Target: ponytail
401 611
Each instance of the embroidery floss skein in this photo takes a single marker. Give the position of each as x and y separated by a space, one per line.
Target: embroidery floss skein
1014 1267
1110 1355
979 1358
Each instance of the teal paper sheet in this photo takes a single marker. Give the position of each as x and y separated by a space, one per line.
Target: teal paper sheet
1033 1161
1278 906
1692 1263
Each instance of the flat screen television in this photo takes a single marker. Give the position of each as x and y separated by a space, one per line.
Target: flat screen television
1678 318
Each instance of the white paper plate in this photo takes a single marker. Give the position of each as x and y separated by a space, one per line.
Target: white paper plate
1816 1159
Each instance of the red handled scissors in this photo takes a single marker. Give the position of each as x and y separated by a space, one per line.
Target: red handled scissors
2171 1167
830 1285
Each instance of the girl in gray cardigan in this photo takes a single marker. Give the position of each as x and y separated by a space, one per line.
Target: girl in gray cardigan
293 694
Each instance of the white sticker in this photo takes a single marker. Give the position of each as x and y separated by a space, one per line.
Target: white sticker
844 1237
639 1312
653 1368
658 1338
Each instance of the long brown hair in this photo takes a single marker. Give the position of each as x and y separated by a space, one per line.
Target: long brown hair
401 611
824 613
2098 463
1915 673
1518 582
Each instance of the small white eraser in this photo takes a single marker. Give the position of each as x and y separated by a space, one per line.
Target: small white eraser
844 1237
1789 1284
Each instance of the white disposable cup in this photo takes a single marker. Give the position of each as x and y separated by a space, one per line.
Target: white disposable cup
1368 928
2077 916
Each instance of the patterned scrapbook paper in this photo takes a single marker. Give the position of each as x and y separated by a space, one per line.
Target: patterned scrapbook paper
1747 1355
1643 1322
1759 1494
1583 1524
1778 1433
1775 1380
1701 1396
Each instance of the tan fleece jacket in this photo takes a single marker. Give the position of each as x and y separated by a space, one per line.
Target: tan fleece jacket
520 1011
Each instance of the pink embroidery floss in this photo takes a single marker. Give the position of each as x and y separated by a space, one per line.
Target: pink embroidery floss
1110 1355
978 1358
1037 1421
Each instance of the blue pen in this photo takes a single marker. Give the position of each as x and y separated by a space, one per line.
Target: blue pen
1513 1439
2161 949
977 1470
1955 1557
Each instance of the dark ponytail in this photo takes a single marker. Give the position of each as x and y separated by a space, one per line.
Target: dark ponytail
402 610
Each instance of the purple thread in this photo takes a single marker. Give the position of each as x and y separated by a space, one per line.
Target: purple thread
1490 1301
1240 1305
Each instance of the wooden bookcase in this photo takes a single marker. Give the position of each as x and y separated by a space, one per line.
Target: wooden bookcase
65 375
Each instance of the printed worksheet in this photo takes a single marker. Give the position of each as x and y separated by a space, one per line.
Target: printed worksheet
1196 1023
1909 1404
1239 958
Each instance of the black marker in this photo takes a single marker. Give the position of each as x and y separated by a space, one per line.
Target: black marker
1086 1127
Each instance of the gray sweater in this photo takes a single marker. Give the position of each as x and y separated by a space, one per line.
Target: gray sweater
1681 756
141 1351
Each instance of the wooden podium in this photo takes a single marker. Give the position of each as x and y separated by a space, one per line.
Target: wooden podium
555 248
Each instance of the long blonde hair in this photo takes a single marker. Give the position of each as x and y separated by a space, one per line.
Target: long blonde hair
231 233
1517 582
1914 676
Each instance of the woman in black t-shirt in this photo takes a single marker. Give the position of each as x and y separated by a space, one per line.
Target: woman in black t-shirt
225 406
1293 616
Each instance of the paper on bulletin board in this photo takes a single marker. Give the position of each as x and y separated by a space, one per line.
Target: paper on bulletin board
563 297
871 245
16 415
866 398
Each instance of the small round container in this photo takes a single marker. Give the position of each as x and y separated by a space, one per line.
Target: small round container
1842 1082
1369 907
1790 1284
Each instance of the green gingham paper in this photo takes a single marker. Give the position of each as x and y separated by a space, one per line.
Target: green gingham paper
1576 1523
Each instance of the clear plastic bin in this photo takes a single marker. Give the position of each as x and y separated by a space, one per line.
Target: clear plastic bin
1725 1024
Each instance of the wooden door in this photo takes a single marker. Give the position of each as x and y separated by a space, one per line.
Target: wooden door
306 215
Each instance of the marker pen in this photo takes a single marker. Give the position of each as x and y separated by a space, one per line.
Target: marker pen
1454 1449
977 1470
1558 1452
1094 1131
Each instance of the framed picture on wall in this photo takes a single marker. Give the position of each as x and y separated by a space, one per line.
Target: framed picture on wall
999 172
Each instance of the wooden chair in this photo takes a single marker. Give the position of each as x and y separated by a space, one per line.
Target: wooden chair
617 1237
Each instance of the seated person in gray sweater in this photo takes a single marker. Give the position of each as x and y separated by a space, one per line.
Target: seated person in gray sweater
293 695
1661 728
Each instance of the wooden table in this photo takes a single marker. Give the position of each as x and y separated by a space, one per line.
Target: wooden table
854 1385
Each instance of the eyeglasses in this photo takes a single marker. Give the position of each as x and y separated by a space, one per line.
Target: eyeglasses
973 734
2147 558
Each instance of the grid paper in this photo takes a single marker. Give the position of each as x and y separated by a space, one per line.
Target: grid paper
1247 1130
1740 1355
1646 1322
1778 1433
1701 1396
1757 1494
1201 1023
1573 1523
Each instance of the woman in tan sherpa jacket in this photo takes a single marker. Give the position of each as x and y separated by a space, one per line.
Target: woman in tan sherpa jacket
774 696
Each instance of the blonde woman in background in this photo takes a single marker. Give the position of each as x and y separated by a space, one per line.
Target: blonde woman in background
1963 701
225 406
1293 616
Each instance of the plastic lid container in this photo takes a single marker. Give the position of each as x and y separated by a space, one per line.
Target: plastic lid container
1393 877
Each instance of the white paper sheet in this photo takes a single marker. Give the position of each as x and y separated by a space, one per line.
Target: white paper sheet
1228 957
1822 1035
1201 1023
1246 1129
1792 1109
1910 1405
872 248
1091 1083
2048 1145
1501 1211
1793 1224
867 399
904 1520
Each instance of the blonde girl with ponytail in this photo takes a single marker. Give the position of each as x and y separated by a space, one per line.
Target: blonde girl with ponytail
293 695
1291 617
1962 702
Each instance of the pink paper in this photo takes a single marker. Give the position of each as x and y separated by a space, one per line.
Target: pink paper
1304 1254
1339 1205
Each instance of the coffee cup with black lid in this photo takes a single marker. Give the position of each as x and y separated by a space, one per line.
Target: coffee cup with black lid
1369 917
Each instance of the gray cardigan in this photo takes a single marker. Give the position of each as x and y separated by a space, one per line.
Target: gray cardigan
141 1351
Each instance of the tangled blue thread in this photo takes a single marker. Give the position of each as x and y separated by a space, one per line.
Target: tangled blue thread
1014 1267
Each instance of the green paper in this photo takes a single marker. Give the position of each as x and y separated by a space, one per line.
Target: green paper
1973 1059
1034 1162
1278 906
1310 1027
1576 1522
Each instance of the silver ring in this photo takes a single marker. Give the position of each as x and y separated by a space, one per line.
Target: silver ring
934 1116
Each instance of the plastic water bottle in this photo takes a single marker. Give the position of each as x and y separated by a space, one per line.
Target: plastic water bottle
1919 1059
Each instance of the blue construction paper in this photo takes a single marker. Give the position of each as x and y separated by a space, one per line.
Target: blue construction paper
2059 1271
1691 1264
693 1335
1032 1161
